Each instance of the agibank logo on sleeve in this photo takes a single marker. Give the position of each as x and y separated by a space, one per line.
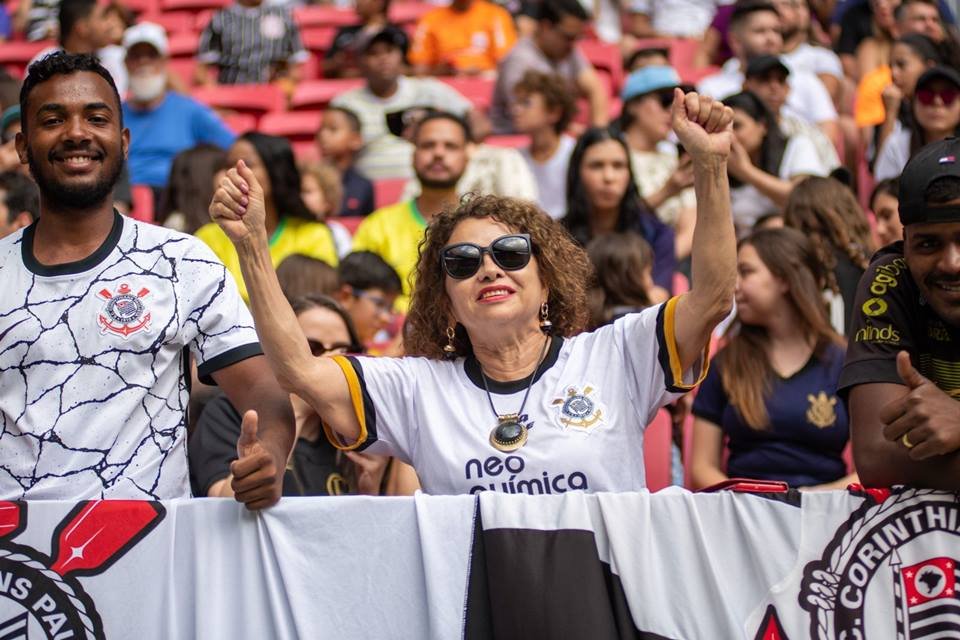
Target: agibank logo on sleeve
40 596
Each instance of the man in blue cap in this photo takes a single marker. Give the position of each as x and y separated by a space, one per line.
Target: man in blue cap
901 379
664 176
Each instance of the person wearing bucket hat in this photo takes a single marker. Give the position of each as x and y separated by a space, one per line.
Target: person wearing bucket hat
901 378
151 108
936 115
663 176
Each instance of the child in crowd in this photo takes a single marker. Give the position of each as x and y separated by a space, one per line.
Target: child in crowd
301 275
544 108
624 277
368 288
194 176
250 42
647 57
827 212
770 397
322 192
885 204
340 140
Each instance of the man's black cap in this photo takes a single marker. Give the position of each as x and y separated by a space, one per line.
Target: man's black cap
391 35
761 65
936 160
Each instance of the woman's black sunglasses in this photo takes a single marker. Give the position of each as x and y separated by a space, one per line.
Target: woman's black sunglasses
462 260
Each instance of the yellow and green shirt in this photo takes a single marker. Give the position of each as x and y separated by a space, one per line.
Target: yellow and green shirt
292 236
394 233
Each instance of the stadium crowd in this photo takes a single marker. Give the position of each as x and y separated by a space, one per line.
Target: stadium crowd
737 223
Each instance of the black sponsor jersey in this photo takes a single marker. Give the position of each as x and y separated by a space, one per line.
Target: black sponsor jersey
889 316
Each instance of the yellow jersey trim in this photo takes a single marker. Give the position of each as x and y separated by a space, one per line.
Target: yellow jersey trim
356 399
670 337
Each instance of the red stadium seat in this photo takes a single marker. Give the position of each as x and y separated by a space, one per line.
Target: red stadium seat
295 125
239 122
183 68
317 94
318 39
15 55
408 12
479 91
142 202
195 6
324 16
657 454
387 192
255 99
184 44
606 57
142 7
173 21
351 223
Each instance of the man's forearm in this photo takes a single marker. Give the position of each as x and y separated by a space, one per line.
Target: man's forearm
886 463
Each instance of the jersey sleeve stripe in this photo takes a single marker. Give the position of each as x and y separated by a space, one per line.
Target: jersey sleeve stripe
206 369
669 355
362 407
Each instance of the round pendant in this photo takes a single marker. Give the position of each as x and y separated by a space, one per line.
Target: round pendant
509 435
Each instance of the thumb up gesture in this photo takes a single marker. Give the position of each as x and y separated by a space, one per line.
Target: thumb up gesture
257 476
925 420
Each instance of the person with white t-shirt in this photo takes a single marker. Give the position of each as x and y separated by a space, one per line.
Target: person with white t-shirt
800 54
764 164
501 390
755 29
543 110
102 315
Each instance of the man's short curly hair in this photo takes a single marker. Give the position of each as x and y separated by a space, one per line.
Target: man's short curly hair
61 63
556 92
564 268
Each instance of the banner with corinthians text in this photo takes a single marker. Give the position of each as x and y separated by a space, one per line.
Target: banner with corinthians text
842 565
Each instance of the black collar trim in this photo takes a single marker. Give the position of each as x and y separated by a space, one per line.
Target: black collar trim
95 258
472 368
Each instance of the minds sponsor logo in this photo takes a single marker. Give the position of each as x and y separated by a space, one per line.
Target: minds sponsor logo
507 476
884 335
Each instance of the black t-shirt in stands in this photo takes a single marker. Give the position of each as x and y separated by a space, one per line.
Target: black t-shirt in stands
890 316
312 472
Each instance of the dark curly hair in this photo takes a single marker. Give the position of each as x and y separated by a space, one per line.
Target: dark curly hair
63 64
564 269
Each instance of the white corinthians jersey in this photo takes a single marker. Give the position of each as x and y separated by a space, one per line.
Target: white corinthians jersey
93 377
586 414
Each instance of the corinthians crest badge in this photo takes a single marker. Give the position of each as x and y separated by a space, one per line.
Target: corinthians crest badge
578 409
822 410
124 313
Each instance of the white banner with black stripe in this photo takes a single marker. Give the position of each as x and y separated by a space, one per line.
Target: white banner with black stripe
673 565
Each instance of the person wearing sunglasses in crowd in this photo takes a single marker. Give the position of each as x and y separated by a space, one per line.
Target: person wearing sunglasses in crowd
936 116
662 173
508 393
312 469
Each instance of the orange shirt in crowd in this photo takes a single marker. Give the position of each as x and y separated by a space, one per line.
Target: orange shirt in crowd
471 40
868 107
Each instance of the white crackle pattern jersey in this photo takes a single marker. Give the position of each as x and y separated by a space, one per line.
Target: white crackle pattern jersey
93 366
586 414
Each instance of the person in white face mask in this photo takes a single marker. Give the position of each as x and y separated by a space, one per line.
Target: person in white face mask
162 122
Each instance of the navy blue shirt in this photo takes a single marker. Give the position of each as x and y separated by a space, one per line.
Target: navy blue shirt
808 430
357 194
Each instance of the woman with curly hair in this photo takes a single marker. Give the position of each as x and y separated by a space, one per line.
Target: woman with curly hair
827 212
505 391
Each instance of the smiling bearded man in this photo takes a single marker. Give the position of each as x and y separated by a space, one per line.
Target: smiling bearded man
98 312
